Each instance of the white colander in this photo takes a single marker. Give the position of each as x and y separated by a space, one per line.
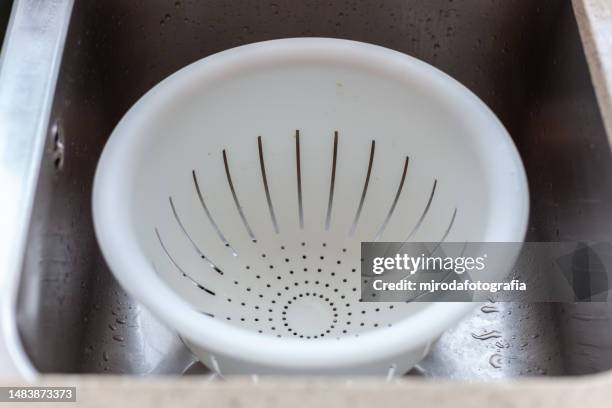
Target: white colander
231 201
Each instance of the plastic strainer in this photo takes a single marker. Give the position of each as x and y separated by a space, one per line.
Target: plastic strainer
231 201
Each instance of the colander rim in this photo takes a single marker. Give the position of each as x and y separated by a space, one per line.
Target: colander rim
124 255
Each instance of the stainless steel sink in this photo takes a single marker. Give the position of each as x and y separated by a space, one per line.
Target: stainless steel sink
523 58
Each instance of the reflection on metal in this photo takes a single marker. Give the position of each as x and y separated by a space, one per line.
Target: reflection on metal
29 65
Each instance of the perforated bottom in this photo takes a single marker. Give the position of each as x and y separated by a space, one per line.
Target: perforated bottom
308 303
287 282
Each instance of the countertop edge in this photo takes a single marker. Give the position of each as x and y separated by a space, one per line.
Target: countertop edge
197 391
594 19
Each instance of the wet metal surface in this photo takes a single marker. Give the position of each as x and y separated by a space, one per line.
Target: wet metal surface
523 58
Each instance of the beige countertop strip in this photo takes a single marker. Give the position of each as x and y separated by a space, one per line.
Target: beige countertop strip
595 23
115 392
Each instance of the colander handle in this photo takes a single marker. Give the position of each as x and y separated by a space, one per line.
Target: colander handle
29 67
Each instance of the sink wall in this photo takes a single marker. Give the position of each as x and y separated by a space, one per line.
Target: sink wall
523 58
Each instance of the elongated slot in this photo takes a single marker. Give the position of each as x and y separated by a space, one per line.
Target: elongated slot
395 200
265 183
450 225
332 183
365 189
299 178
427 206
176 265
208 214
193 244
238 206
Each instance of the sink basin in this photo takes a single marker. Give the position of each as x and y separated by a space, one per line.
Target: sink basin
5 11
523 58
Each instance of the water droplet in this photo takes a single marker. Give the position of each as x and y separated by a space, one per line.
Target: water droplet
489 309
495 360
105 356
118 337
502 344
121 321
492 334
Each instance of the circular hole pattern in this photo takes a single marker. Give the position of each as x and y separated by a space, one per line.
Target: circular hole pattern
272 312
